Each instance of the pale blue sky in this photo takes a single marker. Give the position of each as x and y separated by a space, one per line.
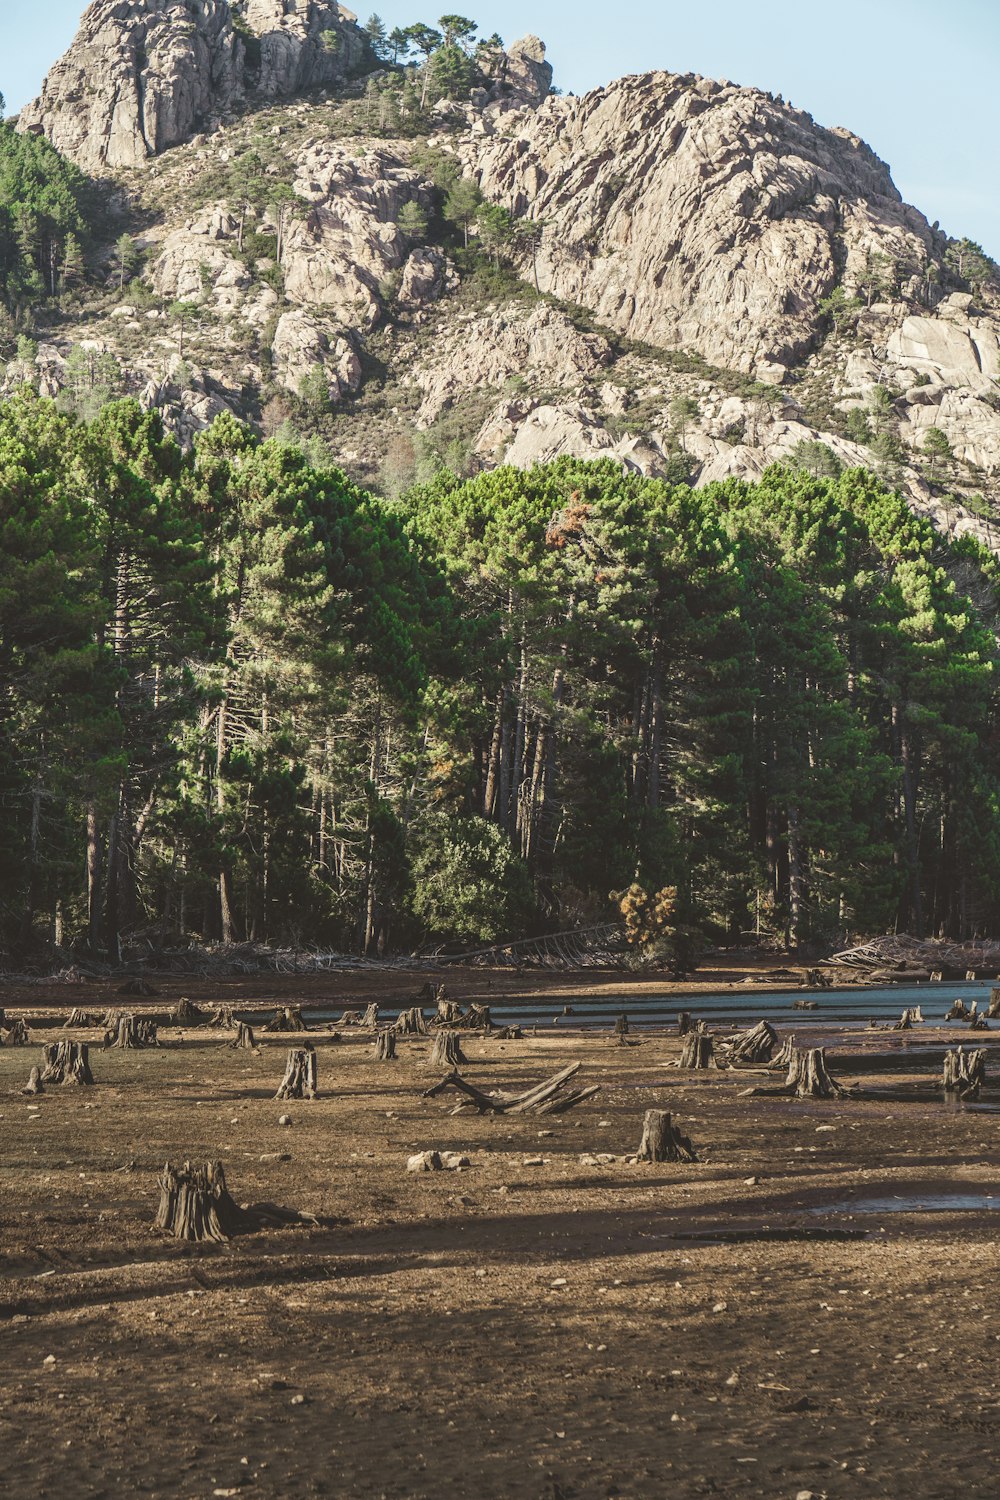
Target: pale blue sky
916 78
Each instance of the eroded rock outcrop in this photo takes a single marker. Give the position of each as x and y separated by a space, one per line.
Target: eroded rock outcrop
144 75
697 215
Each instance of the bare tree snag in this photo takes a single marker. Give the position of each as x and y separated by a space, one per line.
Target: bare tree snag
385 1045
447 1051
17 1036
244 1040
753 1047
195 1204
130 1031
964 1072
411 1022
544 1099
185 1013
66 1062
34 1084
299 1081
662 1141
698 1049
287 1018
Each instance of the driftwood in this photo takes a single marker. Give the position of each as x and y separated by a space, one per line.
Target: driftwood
446 1051
286 1018
807 1077
544 1099
244 1040
698 1050
662 1141
17 1036
752 1047
385 1045
964 1072
299 1081
66 1062
34 1084
411 1022
130 1031
185 1013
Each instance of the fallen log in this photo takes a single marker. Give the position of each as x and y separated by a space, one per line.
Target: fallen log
299 1081
544 1098
66 1062
662 1141
964 1072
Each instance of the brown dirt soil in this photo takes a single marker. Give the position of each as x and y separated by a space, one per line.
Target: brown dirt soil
562 1329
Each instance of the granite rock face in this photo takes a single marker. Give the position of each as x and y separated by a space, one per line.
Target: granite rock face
698 215
144 75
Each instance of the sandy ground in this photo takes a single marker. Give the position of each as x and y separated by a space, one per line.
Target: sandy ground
537 1325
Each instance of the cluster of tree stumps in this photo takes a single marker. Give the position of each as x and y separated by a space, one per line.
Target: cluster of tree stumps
964 1072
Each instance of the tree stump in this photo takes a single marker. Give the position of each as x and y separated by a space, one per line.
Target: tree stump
195 1203
684 1023
621 1030
385 1045
937 976
447 1051
662 1141
130 1031
411 1022
244 1039
477 1017
34 1084
17 1036
80 1018
508 1034
370 1017
299 1081
287 1018
964 1072
783 1056
905 1022
754 1046
808 1077
185 1013
223 1016
698 1050
66 1062
447 1012
958 1011
994 1009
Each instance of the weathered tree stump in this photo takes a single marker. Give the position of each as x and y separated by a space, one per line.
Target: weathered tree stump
80 1018
817 979
195 1203
185 1013
385 1045
370 1017
287 1018
905 1022
138 987
244 1040
970 975
808 1077
447 1051
994 1010
477 1017
958 1011
754 1046
621 1030
662 1141
937 976
299 1081
66 1062
544 1099
964 1072
34 1084
131 1031
411 1022
223 1017
685 1023
17 1036
508 1034
698 1050
783 1056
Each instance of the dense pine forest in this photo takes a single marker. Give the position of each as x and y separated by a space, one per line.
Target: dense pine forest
243 699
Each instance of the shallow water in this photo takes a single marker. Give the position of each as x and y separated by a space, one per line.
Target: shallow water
741 1005
922 1203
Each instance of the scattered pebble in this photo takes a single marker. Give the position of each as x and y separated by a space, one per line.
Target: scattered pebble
284 1119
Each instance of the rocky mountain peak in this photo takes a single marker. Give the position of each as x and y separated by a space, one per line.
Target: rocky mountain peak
144 75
